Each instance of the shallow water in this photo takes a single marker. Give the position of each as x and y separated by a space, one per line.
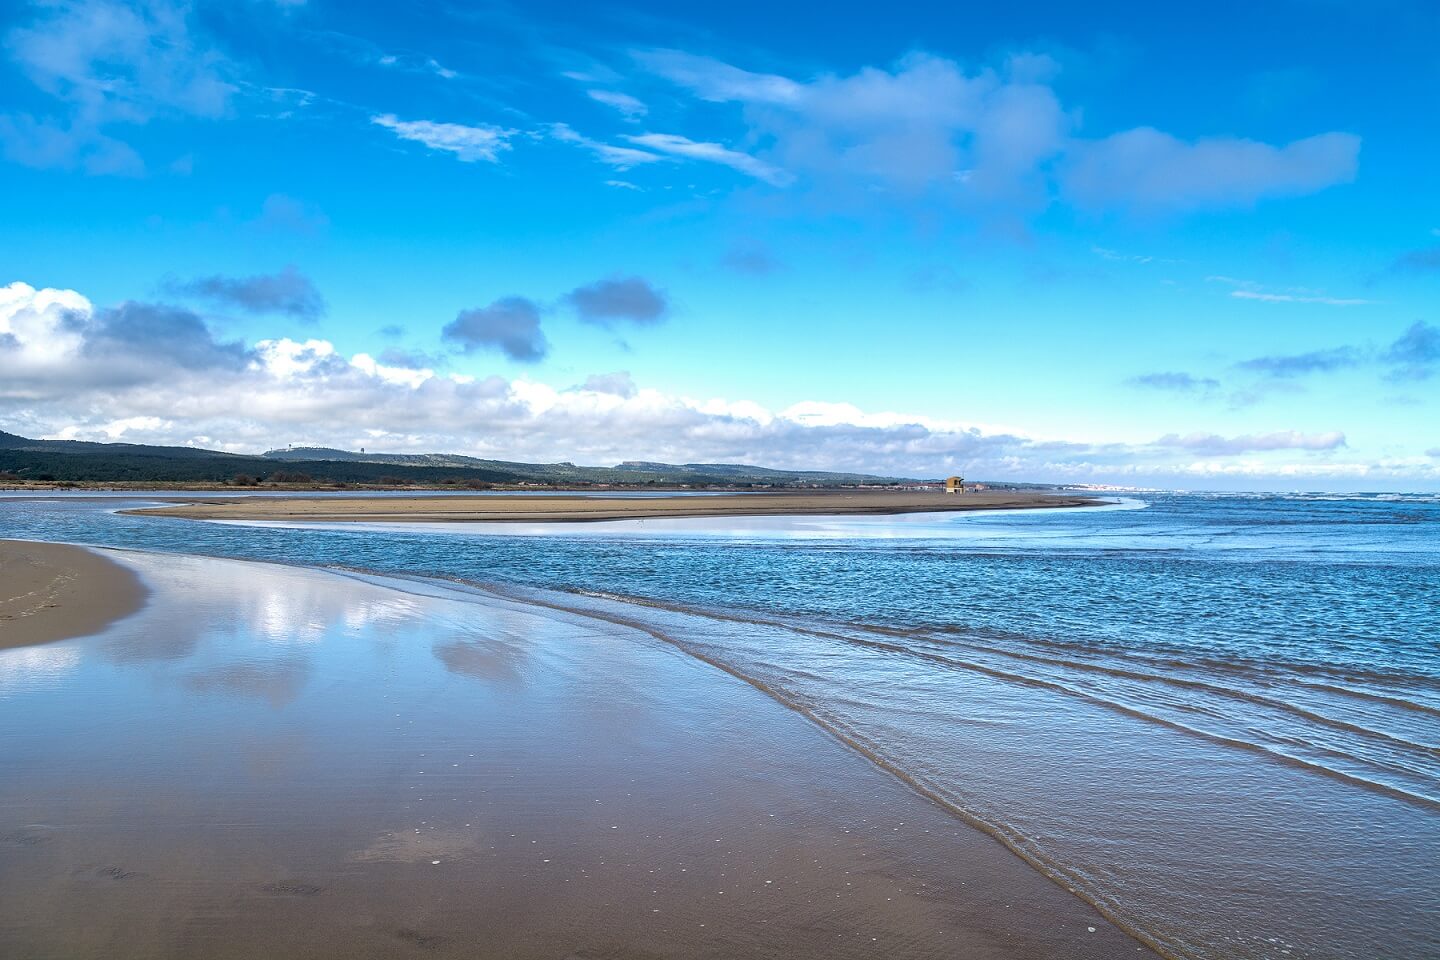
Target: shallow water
272 761
1216 717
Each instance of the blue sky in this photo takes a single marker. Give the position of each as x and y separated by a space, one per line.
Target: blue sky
1124 243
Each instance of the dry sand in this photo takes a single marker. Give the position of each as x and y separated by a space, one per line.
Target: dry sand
577 508
51 591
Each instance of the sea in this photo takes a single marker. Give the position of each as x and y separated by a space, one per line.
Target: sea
1215 717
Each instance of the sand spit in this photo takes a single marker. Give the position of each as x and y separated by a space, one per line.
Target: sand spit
562 507
51 591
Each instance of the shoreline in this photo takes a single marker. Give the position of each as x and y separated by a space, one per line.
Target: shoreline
618 800
53 591
571 509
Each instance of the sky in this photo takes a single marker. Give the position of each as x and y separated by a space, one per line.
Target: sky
1188 246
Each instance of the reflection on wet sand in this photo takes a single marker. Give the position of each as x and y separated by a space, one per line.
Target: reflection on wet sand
278 760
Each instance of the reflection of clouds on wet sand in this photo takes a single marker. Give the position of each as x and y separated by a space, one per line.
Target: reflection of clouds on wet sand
27 667
481 659
277 681
202 602
301 609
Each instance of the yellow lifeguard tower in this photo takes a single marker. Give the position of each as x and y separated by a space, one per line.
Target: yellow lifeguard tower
954 484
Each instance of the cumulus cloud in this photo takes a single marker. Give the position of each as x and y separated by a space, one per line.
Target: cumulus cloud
1175 381
750 258
107 63
288 292
510 325
152 374
281 213
1148 169
53 342
618 384
1418 261
161 333
619 300
926 123
468 143
1416 354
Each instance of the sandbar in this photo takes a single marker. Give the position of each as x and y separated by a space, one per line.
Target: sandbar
572 508
51 591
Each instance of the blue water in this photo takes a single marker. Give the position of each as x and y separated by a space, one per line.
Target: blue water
1216 717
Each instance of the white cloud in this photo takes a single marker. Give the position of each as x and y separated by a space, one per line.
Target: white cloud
628 107
468 143
1297 298
1145 168
992 137
109 63
1251 290
715 80
144 373
621 158
712 153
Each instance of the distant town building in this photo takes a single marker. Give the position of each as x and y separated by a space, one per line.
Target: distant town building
954 484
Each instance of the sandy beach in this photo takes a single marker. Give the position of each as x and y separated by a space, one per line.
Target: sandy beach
52 591
289 762
480 509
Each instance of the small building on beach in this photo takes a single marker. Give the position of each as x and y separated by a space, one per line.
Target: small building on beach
954 484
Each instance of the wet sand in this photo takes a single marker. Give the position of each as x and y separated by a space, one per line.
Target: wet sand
288 762
50 591
479 509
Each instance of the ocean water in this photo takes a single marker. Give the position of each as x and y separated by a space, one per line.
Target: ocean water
1217 718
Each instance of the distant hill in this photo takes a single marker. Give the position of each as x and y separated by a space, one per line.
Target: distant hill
86 462
628 472
9 441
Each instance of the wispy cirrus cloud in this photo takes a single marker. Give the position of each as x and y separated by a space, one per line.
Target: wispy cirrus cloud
621 158
1175 381
106 65
676 145
1252 290
1299 298
631 108
484 142
1299 364
1214 445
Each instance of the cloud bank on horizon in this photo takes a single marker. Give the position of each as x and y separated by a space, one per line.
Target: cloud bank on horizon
1126 251
153 373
